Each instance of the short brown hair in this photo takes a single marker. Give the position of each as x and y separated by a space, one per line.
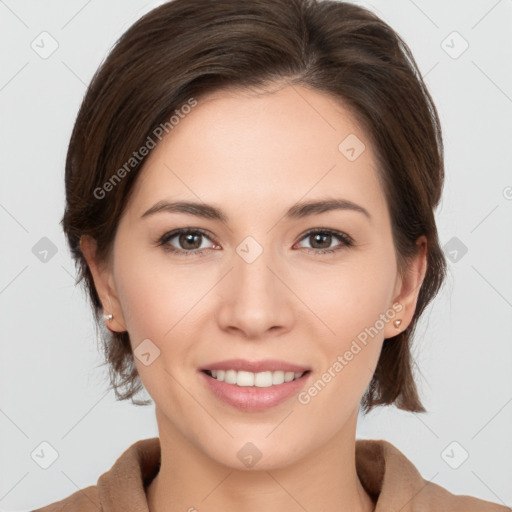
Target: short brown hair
188 48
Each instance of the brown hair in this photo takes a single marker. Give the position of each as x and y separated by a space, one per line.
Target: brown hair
187 48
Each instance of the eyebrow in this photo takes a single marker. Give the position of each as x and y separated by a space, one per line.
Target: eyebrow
297 211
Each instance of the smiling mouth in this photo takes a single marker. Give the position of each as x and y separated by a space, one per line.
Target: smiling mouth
250 379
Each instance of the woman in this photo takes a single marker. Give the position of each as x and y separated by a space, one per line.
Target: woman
250 191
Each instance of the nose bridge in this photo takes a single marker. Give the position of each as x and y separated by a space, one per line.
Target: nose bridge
254 280
253 299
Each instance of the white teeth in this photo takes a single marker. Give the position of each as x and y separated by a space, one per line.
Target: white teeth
244 379
230 376
260 379
277 377
263 379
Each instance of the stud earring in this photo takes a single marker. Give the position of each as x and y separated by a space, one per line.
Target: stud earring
108 317
397 323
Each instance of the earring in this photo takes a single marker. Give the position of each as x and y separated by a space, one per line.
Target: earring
108 317
397 323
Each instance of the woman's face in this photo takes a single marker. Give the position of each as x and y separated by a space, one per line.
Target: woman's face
256 286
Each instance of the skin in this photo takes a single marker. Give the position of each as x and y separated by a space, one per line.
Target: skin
254 156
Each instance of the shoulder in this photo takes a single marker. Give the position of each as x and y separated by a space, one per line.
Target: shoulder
120 488
84 500
395 483
439 498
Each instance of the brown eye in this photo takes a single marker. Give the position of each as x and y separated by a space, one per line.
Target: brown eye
190 241
322 239
187 242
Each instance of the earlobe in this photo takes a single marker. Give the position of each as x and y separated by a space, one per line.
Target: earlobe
409 286
103 282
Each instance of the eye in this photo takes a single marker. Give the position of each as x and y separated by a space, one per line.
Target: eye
324 237
188 240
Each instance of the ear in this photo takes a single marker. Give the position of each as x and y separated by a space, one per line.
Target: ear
104 283
407 288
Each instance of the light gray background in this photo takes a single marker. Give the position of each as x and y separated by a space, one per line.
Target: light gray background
52 388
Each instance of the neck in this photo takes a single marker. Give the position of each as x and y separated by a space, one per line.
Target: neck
323 480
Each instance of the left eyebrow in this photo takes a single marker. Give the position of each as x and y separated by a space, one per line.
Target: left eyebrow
306 208
297 211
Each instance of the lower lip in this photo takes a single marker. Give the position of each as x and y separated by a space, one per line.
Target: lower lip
251 398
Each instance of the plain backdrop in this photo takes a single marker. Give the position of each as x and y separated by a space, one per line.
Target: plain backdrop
52 387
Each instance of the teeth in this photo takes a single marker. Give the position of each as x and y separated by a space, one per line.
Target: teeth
259 380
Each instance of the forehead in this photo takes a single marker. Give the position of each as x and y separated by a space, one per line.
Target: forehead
262 149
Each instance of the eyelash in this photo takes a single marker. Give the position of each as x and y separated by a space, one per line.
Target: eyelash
163 241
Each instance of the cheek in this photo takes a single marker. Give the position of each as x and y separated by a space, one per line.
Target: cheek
154 293
355 305
351 297
160 302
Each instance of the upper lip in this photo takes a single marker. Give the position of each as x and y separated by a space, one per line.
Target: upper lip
266 365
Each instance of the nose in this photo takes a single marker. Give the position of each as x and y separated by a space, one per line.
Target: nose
254 299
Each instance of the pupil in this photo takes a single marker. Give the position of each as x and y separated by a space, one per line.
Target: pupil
189 238
317 236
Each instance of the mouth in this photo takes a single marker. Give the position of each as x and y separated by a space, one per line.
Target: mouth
263 379
254 386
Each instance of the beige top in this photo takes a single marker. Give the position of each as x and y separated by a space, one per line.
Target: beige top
387 475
